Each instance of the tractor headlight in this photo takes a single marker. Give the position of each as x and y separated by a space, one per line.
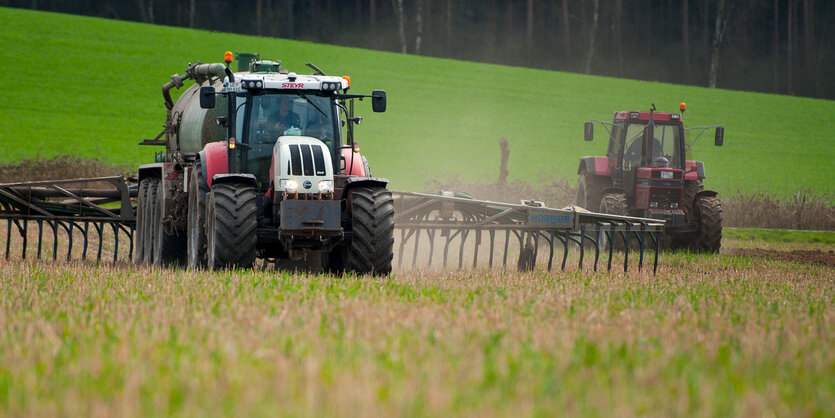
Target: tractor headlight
288 184
653 204
674 205
325 186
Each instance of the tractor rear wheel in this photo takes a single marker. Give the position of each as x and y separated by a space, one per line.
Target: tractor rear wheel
139 241
148 228
589 191
613 204
197 194
709 210
372 231
232 221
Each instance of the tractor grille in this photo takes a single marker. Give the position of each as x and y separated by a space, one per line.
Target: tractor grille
307 160
666 198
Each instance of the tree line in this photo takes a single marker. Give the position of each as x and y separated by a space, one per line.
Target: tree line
775 46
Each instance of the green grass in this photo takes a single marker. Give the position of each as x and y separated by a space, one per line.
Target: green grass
91 87
709 335
779 235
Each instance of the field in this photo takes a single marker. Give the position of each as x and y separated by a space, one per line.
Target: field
736 334
91 88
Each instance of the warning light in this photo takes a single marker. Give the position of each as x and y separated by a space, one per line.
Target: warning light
356 146
227 57
348 79
231 143
682 107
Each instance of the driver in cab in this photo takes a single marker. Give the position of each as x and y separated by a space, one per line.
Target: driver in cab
284 118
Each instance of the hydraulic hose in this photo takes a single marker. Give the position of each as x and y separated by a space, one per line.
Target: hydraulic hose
194 71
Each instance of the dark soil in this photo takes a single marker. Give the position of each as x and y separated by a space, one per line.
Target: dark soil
825 258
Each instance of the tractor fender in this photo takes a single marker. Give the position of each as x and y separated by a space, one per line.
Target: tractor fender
151 171
355 163
352 182
214 160
705 193
694 170
612 189
244 178
594 165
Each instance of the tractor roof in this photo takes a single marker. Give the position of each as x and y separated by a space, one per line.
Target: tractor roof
644 116
290 81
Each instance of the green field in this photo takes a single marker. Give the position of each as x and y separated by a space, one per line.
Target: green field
91 87
707 336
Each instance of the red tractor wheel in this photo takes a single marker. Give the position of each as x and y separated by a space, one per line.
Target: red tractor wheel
709 210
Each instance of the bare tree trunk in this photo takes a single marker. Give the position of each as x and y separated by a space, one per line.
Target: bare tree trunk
448 27
291 30
491 31
419 26
775 45
372 18
592 37
566 33
150 11
790 57
259 7
685 35
718 34
401 24
619 35
529 28
192 10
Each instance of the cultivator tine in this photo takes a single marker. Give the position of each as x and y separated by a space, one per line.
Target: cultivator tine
526 229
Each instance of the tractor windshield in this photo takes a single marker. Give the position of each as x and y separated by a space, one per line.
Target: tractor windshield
274 114
666 143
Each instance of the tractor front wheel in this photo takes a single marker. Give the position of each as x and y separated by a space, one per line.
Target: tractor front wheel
371 248
709 210
232 220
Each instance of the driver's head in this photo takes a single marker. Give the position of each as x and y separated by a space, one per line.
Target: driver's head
284 104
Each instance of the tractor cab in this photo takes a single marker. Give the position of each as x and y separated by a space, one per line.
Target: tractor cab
646 173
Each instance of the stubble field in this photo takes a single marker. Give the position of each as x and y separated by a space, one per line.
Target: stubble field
741 333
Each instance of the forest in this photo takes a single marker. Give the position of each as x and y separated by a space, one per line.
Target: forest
772 46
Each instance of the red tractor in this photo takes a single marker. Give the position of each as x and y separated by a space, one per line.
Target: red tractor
646 173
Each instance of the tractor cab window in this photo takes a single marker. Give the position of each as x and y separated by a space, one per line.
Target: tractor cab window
665 145
287 113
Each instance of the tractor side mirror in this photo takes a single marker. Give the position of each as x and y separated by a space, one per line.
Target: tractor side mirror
207 97
378 100
589 131
720 136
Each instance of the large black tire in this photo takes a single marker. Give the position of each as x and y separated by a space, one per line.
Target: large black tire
710 224
371 248
691 188
231 224
161 247
139 234
148 229
613 204
590 190
198 191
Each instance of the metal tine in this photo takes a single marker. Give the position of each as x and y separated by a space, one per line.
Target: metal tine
54 240
655 262
8 236
417 245
641 249
84 250
492 242
625 236
464 234
115 241
610 235
596 247
40 237
506 242
99 229
565 251
477 244
431 234
130 244
551 252
582 249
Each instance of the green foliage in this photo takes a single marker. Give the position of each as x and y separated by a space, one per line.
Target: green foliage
91 87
